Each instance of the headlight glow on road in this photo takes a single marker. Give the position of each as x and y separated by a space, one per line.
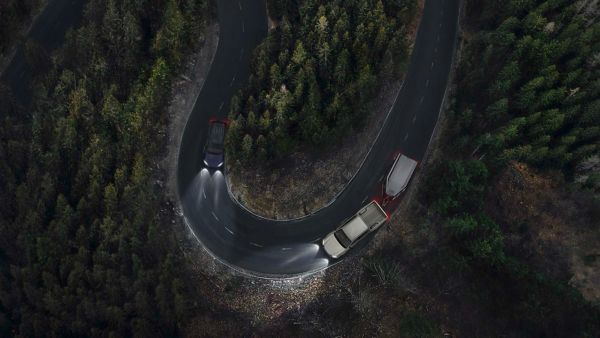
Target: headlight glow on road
218 180
198 186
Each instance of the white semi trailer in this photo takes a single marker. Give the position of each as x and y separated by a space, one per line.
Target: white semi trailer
399 176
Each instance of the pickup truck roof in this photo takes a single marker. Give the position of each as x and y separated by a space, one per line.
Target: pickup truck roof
355 228
399 175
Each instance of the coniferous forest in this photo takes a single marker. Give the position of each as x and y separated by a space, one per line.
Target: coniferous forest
315 72
80 253
529 83
87 247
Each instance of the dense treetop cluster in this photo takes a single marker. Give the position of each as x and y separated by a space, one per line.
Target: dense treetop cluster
82 250
530 85
314 73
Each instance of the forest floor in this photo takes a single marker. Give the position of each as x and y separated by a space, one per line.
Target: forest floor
306 182
554 228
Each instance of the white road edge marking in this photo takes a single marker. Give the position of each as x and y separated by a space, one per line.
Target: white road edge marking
229 230
363 201
215 216
316 239
381 178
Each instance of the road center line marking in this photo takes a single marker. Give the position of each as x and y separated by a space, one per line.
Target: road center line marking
240 3
406 137
440 25
285 249
232 81
243 27
221 106
381 178
241 53
204 193
363 201
215 216
422 98
427 83
229 230
432 63
414 119
316 239
435 49
256 245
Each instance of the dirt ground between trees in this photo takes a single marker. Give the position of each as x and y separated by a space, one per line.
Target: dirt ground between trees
556 230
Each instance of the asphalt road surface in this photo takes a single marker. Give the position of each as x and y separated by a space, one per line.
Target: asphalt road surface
284 248
48 31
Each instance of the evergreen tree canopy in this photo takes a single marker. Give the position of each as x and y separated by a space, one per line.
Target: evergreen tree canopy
315 72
